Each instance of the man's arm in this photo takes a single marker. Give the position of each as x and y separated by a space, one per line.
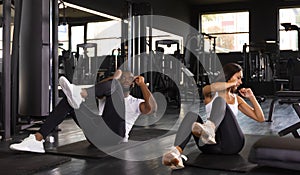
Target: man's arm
116 75
149 106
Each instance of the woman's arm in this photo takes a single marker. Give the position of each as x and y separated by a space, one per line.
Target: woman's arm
255 112
218 86
209 90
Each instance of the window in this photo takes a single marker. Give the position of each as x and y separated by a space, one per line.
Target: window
289 38
63 37
231 30
77 36
107 36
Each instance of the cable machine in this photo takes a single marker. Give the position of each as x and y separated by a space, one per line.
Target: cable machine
260 61
136 30
203 63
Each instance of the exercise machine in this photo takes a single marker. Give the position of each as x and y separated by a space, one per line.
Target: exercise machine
169 77
293 128
259 61
202 58
86 67
292 95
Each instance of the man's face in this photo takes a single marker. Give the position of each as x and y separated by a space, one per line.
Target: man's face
126 80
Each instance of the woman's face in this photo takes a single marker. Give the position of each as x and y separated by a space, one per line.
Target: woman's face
237 77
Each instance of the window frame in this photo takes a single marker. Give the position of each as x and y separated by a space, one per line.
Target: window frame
217 34
293 34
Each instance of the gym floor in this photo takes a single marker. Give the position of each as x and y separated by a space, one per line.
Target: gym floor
283 116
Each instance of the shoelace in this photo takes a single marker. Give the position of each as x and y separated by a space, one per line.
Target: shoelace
184 157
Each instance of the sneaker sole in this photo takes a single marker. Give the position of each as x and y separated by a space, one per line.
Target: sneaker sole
65 86
207 140
25 150
173 161
198 134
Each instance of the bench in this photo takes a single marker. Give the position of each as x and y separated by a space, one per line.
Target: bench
289 97
275 151
293 128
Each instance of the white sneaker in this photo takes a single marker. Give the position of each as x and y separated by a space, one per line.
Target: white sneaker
206 131
29 144
173 158
71 91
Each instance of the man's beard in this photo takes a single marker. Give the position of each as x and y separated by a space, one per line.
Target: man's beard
126 89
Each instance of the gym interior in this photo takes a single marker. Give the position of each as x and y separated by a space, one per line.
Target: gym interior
179 47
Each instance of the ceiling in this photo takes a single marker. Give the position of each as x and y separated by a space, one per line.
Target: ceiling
210 2
72 15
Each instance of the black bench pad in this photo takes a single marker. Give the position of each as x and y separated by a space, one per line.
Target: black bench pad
287 93
274 151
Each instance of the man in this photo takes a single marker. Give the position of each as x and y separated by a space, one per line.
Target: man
117 107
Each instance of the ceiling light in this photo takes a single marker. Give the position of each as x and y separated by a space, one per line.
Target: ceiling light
91 11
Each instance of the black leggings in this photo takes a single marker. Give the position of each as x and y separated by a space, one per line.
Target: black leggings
229 136
113 113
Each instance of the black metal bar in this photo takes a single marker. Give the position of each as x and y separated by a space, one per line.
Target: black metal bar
6 80
70 37
291 129
271 110
15 65
298 42
296 134
85 34
245 62
54 52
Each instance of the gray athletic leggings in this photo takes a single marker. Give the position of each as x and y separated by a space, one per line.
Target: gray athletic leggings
229 136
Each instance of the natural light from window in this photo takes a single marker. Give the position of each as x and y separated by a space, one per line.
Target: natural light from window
289 39
231 30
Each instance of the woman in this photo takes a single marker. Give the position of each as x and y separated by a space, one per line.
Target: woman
220 134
